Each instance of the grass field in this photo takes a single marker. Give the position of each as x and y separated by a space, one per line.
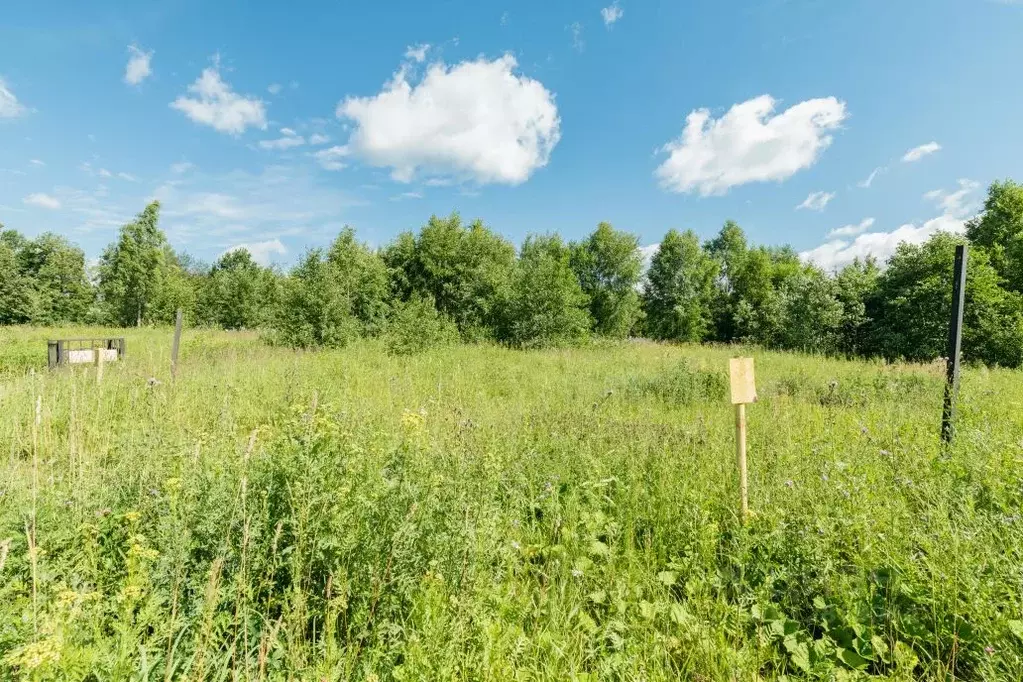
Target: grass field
476 513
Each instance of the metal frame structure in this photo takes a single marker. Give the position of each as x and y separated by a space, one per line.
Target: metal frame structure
59 351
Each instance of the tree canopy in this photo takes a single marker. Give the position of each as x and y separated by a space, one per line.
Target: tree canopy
455 278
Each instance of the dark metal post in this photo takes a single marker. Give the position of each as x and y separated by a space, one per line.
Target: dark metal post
174 348
955 342
51 353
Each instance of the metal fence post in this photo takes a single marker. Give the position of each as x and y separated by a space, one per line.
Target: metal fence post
955 342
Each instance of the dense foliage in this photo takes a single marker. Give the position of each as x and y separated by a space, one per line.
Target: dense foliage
549 292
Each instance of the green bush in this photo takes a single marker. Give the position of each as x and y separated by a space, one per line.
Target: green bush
416 326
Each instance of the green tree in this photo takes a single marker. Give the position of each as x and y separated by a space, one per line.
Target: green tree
728 249
175 288
465 270
679 289
609 267
17 300
911 308
855 284
360 275
237 293
56 269
810 312
753 302
130 270
546 304
313 310
331 299
999 230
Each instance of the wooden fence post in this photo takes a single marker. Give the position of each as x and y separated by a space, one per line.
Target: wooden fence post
99 365
175 346
955 342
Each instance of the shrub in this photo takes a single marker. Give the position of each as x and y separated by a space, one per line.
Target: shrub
416 326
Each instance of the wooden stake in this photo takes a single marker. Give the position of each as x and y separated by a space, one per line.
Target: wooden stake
744 391
740 456
99 366
175 346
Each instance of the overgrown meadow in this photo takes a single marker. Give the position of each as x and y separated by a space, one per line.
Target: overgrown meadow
478 513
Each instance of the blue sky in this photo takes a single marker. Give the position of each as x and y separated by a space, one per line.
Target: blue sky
274 124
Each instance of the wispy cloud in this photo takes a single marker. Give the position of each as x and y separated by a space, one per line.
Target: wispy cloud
417 53
611 14
41 200
865 184
839 250
917 153
10 107
138 68
577 36
288 140
852 230
333 158
213 212
955 203
816 201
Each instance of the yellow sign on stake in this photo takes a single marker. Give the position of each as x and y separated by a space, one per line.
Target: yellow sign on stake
744 391
744 388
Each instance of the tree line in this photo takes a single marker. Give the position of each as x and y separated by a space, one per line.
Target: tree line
452 280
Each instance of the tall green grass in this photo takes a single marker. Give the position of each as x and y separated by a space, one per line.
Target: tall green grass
484 514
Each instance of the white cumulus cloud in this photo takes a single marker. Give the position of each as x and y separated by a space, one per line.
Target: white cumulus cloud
477 120
261 252
612 13
214 103
274 88
317 138
816 201
749 143
138 68
917 153
852 230
10 107
36 162
42 201
840 251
